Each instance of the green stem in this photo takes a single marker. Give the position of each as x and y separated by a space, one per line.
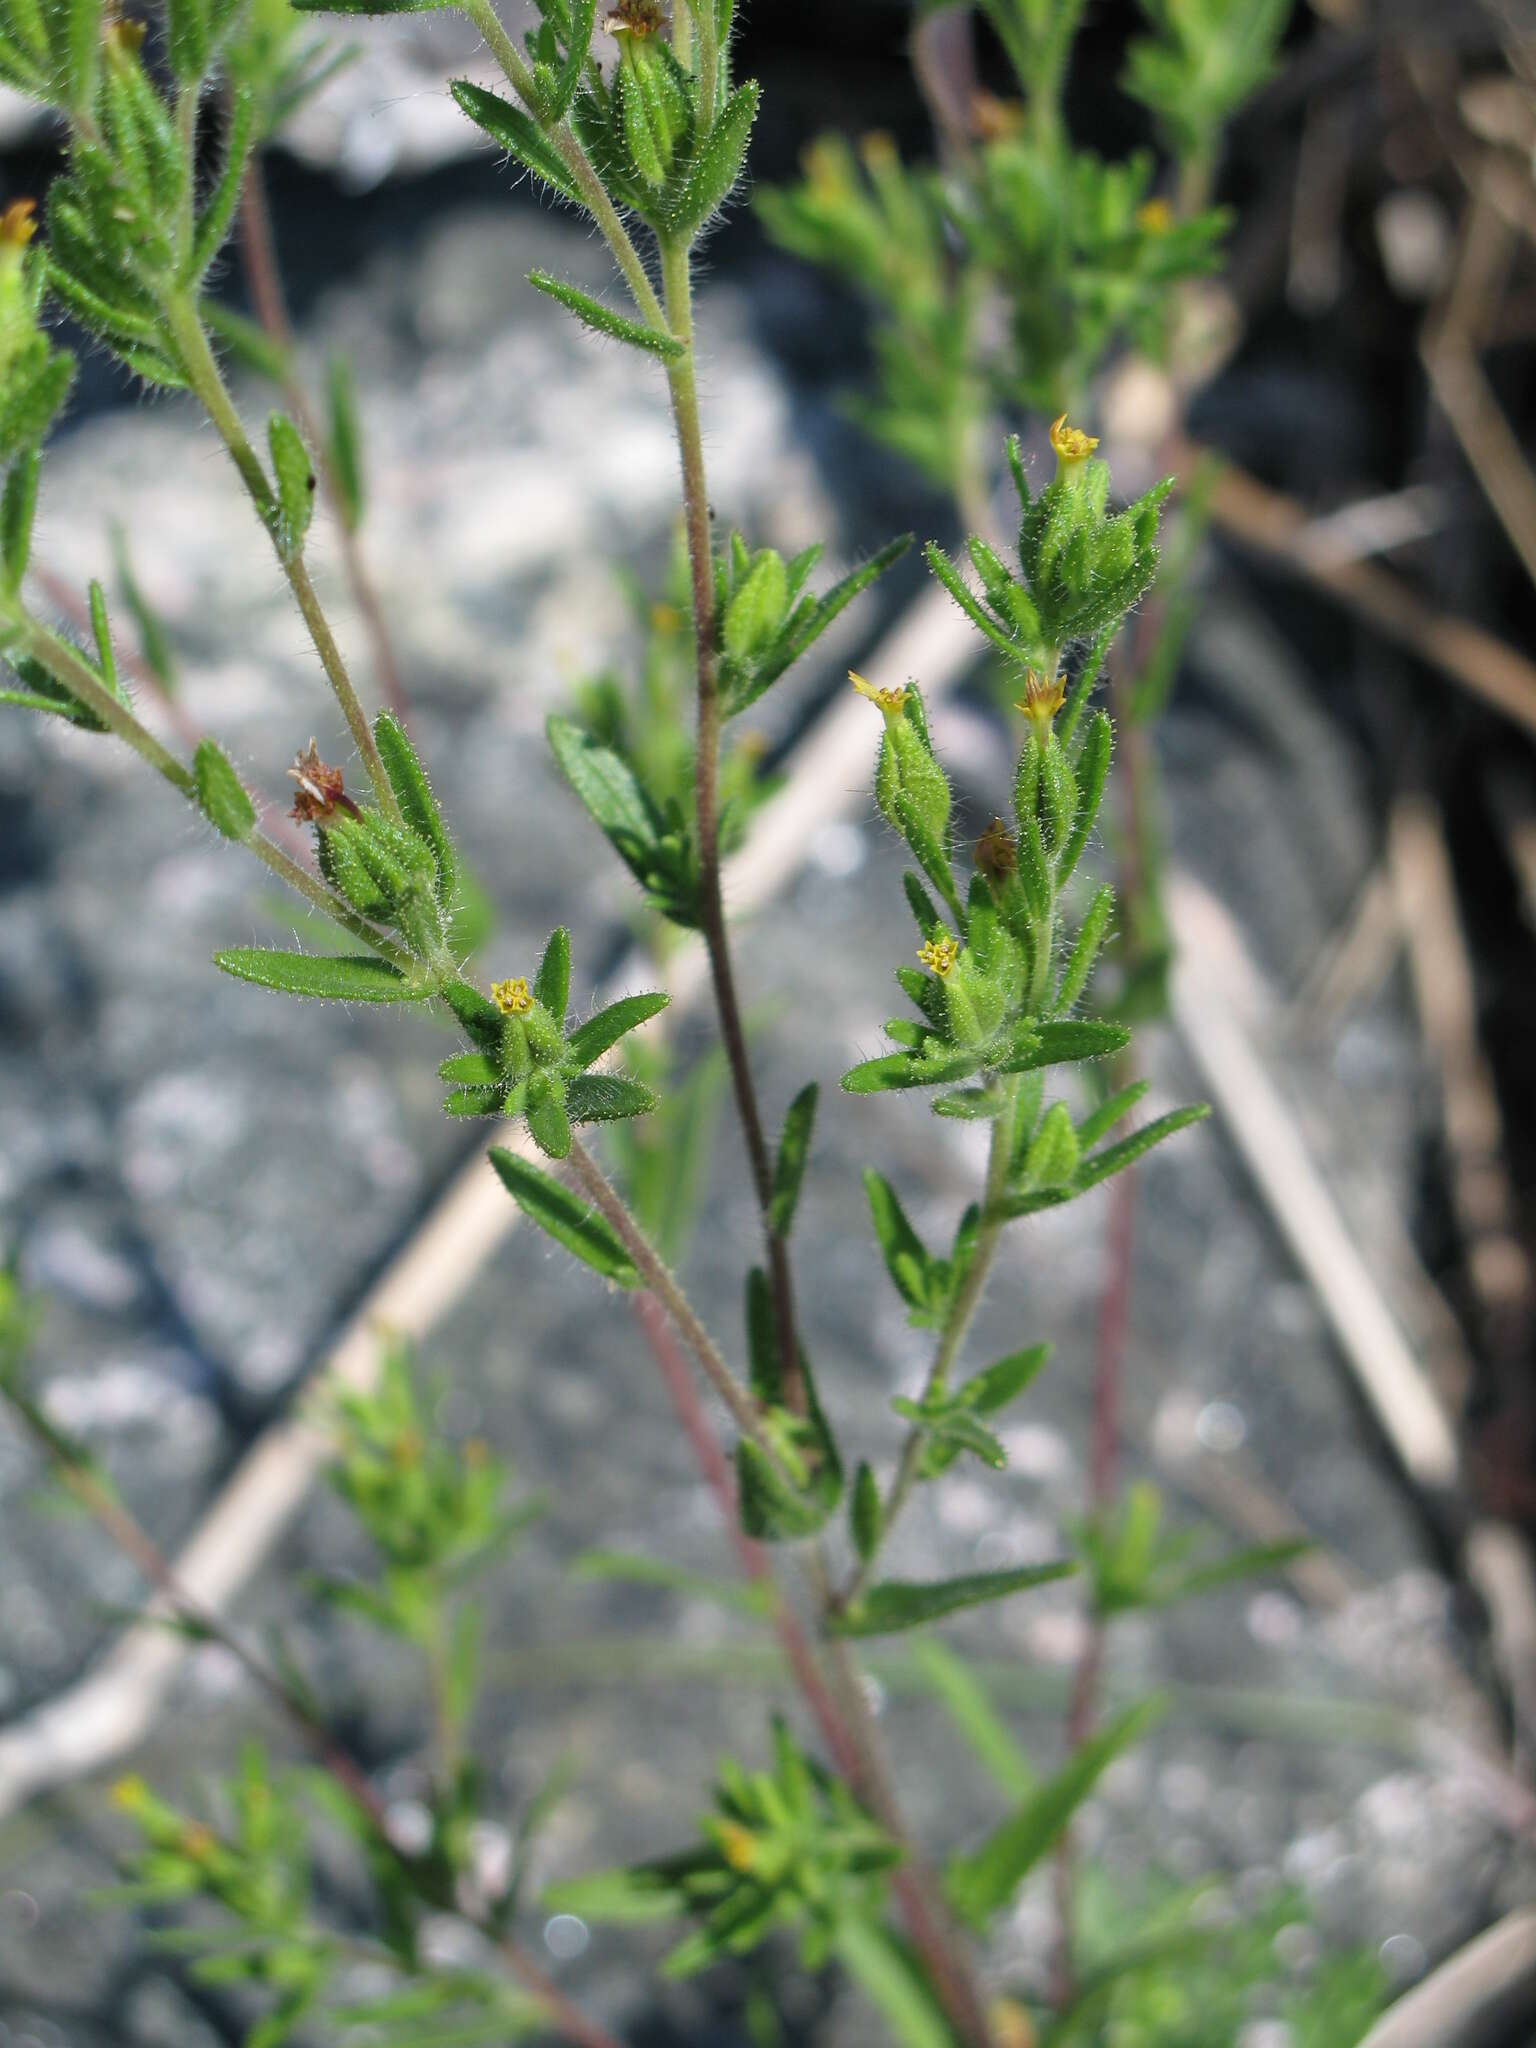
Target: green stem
682 382
72 673
956 1323
661 1282
576 161
202 371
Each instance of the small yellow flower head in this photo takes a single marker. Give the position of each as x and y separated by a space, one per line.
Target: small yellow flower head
878 151
1042 699
665 618
997 853
18 224
1011 2025
994 120
738 1845
130 1794
1155 217
196 1842
512 997
891 701
939 955
1071 444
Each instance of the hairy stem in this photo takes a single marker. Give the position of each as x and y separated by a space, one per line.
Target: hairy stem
576 161
956 1323
203 375
659 1279
265 280
683 384
71 672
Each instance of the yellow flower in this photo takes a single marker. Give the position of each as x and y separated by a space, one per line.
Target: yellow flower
130 1794
1011 2025
1071 444
512 997
879 152
939 955
890 700
1042 699
1155 217
738 1845
17 224
665 618
120 36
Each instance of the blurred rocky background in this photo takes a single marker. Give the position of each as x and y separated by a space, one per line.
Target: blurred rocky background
203 1182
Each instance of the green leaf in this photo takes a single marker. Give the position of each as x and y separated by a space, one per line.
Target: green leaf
154 643
295 480
864 1512
647 1892
343 978
901 1604
17 505
367 6
905 1255
757 607
219 209
1099 1166
982 1883
1058 1042
552 983
893 1981
1085 949
974 1715
186 26
789 1169
603 780
246 340
520 137
1100 1122
344 441
225 803
591 1040
908 1070
565 1217
771 1509
606 1099
547 1118
1238 1564
1092 770
632 1568
603 320
418 806
717 164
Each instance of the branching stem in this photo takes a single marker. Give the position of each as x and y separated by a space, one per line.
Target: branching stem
203 375
683 384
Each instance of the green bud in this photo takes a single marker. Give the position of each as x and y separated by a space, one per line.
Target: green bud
654 113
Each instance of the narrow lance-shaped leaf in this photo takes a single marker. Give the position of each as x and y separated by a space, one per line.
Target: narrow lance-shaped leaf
1115 1158
1085 948
982 1883
224 801
719 161
973 1713
565 1217
897 1604
520 137
789 1170
606 1099
592 1039
17 506
345 439
1092 771
603 320
413 793
864 1512
345 979
219 209
295 481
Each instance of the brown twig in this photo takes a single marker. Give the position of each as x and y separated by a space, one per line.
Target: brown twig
1276 527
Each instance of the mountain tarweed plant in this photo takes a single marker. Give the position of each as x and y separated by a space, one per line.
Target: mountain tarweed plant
638 124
